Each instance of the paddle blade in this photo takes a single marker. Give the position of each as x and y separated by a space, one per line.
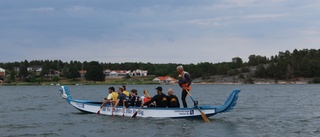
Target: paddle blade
204 117
135 114
98 113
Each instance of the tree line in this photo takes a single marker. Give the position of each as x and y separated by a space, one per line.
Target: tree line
284 65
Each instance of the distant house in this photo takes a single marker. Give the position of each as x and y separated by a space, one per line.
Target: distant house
164 79
35 68
53 73
117 73
2 74
82 73
139 72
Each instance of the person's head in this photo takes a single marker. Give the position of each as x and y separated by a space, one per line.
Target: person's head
159 89
146 93
120 90
170 91
124 87
134 92
111 89
180 69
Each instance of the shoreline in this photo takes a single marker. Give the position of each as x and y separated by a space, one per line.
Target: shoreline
198 81
194 83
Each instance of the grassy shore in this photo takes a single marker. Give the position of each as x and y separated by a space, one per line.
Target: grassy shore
81 81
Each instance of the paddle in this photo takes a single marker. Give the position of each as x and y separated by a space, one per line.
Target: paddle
98 113
101 106
124 108
135 113
204 116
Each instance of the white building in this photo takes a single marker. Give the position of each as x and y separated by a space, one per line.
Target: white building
2 70
2 74
117 73
122 73
139 72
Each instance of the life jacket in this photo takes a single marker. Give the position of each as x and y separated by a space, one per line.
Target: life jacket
185 84
123 98
146 99
135 101
162 102
126 93
173 101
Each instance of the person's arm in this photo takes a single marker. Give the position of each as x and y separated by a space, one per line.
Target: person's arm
152 99
116 104
106 100
180 84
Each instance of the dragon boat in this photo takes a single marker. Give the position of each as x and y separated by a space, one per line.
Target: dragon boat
88 106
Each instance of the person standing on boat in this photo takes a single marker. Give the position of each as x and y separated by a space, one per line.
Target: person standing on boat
184 82
160 98
112 97
172 99
122 99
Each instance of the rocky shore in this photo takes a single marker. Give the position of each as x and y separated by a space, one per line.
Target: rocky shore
237 80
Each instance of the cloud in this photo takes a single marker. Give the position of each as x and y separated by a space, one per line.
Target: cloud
43 9
159 32
226 20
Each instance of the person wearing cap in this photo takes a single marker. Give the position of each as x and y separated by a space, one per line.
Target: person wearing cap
160 98
112 97
184 82
173 101
122 99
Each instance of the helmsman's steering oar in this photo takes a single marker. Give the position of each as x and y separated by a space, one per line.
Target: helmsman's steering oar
204 116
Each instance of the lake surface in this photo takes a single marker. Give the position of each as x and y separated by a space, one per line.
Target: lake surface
261 111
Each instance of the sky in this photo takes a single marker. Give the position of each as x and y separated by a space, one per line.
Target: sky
155 31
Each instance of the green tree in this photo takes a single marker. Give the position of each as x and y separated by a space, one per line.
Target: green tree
72 73
12 77
255 60
261 71
237 61
23 72
94 72
55 79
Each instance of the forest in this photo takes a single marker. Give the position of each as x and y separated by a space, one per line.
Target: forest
285 65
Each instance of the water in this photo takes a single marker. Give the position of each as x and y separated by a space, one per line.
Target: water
262 111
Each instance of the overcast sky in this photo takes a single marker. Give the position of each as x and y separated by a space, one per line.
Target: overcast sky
155 31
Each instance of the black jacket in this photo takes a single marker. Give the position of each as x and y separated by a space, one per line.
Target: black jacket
135 101
161 100
173 101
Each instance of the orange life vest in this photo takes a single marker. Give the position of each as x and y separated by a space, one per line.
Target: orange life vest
185 84
146 99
